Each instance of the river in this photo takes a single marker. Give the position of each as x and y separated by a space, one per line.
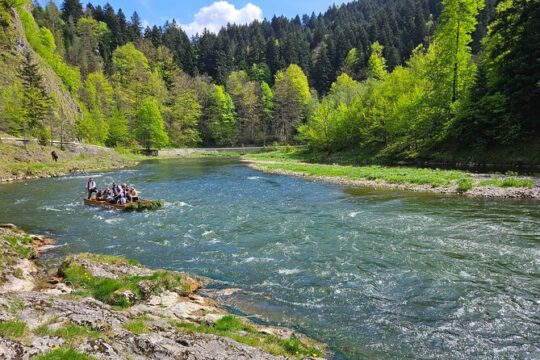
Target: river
373 273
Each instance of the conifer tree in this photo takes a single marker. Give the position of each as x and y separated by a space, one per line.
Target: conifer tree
72 10
36 101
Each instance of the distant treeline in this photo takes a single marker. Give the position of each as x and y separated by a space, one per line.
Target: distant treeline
389 78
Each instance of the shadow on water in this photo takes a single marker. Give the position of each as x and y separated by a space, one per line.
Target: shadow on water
374 273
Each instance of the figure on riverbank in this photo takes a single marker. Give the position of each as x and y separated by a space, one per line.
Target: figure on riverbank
91 187
54 156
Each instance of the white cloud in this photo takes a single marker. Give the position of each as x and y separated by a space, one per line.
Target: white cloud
219 14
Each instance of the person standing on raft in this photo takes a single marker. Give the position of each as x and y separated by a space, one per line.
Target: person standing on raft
91 187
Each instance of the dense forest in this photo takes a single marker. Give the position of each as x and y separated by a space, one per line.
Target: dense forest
385 79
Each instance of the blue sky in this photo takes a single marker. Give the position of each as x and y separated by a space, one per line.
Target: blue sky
211 14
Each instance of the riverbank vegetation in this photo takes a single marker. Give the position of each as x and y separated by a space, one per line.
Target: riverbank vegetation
389 81
297 162
34 160
119 304
232 327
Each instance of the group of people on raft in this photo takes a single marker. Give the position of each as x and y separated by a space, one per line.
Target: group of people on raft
116 194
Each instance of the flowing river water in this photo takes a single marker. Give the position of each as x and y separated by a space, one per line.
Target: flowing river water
375 274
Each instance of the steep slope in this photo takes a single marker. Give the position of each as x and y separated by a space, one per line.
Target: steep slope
13 47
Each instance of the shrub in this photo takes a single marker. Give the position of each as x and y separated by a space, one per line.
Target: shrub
464 184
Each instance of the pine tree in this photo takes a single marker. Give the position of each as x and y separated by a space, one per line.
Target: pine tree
36 101
72 9
322 74
135 27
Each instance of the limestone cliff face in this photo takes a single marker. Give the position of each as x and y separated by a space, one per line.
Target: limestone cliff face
13 47
108 307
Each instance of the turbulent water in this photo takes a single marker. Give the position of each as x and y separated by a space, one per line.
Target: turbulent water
375 274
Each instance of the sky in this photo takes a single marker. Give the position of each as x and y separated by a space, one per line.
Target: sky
194 16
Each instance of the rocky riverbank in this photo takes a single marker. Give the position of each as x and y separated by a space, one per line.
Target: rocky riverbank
479 191
106 307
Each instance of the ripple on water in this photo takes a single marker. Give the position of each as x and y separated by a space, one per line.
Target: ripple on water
381 274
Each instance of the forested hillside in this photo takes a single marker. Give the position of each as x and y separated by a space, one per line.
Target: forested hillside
384 79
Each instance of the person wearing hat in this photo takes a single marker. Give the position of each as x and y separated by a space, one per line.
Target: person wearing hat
91 187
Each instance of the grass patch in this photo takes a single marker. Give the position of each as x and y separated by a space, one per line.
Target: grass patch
464 184
136 327
64 353
71 333
391 175
232 327
21 245
298 161
12 329
107 259
511 181
112 291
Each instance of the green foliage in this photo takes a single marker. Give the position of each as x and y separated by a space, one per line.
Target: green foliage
291 97
119 134
505 182
351 64
43 43
232 327
149 129
64 353
134 81
502 110
182 118
13 3
452 69
464 184
220 118
376 62
73 333
247 98
12 329
136 327
21 245
14 113
91 126
330 126
231 323
112 291
144 204
36 102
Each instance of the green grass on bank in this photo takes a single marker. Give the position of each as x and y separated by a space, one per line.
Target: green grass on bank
293 161
123 291
35 160
232 327
64 353
14 246
12 329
